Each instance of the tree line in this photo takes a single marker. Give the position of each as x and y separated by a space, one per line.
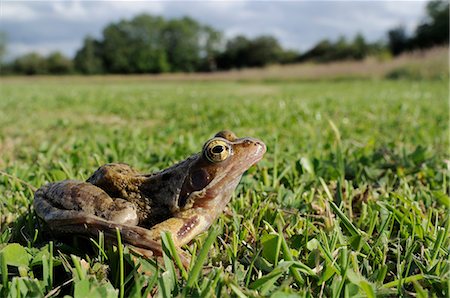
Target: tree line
432 31
153 44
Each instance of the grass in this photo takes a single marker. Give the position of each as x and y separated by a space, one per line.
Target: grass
351 198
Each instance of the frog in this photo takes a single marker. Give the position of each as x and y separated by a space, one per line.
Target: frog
184 199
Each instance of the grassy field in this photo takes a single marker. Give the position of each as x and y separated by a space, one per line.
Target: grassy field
351 198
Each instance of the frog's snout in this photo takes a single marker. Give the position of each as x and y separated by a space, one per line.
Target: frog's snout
256 147
260 147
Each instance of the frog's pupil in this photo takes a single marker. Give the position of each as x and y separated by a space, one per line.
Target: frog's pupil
217 149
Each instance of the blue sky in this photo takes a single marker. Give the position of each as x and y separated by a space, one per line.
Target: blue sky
46 26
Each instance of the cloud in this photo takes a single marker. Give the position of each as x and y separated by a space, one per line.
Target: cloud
17 11
62 25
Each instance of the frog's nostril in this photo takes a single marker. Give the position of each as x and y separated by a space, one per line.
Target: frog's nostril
261 146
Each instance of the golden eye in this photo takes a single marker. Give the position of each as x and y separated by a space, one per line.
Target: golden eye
217 150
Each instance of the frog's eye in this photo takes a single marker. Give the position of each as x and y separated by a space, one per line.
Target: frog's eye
217 150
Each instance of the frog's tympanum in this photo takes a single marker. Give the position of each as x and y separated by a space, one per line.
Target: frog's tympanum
184 199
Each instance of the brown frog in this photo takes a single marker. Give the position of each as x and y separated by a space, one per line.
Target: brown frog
184 199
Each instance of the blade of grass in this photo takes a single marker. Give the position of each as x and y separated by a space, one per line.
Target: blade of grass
4 269
201 258
267 281
437 245
101 248
167 241
237 291
345 220
78 269
50 265
396 283
275 166
288 255
121 267
212 284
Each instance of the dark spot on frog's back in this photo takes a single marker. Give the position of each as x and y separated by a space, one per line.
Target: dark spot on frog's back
166 176
189 224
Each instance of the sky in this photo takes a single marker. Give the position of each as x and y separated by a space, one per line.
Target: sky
47 26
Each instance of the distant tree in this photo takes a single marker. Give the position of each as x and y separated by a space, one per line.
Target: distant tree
57 63
289 56
319 52
189 44
30 64
341 49
360 49
152 44
434 30
88 59
398 41
243 52
135 46
236 53
211 42
2 46
264 50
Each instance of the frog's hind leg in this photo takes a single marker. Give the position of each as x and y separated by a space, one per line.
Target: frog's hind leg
65 199
142 241
59 205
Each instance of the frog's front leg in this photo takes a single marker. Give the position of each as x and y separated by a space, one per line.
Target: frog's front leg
184 225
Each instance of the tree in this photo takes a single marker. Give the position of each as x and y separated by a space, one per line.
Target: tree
435 29
360 49
289 56
319 52
57 63
181 41
398 41
264 50
88 59
339 51
135 46
2 46
30 64
236 53
243 52
190 46
211 42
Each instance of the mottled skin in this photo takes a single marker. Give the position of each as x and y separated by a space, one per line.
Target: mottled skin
184 199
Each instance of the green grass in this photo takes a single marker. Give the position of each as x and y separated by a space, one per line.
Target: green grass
351 198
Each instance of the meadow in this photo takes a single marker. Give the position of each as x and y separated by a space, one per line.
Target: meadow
350 200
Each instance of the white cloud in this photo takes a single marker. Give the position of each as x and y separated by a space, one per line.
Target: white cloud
70 10
17 11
